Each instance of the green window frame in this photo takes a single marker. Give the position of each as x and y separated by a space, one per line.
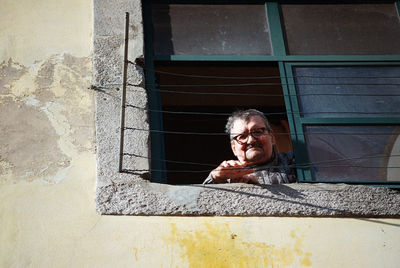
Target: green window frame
285 63
298 136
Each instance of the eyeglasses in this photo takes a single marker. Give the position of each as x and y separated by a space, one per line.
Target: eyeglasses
242 138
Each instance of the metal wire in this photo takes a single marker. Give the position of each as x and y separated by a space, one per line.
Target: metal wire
293 166
274 133
266 114
99 87
271 95
170 161
307 165
262 77
303 165
277 84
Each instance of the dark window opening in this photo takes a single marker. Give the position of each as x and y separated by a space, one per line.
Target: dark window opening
200 99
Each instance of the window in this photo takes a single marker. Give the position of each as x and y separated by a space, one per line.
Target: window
341 29
210 29
331 71
133 193
197 98
349 116
217 71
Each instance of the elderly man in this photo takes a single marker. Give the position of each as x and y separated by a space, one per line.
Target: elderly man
254 146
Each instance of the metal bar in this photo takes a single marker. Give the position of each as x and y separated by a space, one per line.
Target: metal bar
292 58
157 148
349 120
275 29
299 144
123 93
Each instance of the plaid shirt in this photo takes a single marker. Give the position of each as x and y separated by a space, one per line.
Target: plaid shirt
280 170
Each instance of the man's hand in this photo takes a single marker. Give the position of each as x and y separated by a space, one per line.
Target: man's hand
233 170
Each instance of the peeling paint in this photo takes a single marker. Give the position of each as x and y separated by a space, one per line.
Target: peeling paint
10 71
5 168
45 75
28 143
46 117
215 245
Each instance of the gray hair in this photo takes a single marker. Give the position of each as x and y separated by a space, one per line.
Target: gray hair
245 116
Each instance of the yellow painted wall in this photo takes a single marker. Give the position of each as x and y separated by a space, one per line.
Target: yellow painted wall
48 173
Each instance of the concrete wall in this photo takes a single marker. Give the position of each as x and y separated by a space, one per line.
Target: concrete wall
48 175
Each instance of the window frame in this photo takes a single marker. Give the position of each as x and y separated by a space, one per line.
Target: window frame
298 137
285 63
158 165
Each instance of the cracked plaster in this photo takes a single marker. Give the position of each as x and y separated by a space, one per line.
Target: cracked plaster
44 117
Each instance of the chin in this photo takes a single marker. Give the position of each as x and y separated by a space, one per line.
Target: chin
255 158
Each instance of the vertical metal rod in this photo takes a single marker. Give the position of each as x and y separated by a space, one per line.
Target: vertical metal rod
123 93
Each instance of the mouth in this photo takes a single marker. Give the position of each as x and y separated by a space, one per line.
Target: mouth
254 152
253 146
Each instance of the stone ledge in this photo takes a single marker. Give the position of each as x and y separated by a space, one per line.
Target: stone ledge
305 200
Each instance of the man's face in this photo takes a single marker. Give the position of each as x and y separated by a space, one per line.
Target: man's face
254 150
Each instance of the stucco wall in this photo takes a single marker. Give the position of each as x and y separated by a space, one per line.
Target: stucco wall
48 175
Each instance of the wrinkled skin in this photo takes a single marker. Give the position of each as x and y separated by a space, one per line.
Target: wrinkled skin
254 151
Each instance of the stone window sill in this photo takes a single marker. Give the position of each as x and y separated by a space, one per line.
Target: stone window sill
298 199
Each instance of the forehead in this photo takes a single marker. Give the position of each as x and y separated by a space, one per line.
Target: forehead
253 122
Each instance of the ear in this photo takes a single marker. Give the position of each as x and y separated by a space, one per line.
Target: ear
273 141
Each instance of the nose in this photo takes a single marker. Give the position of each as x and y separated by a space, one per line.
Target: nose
250 139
